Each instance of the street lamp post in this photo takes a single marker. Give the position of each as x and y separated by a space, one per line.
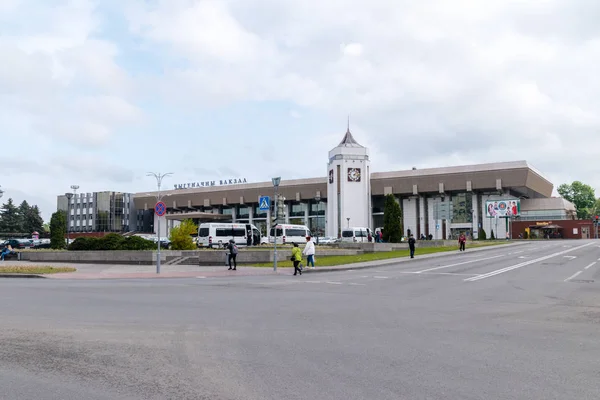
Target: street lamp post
159 177
348 222
69 197
318 200
276 181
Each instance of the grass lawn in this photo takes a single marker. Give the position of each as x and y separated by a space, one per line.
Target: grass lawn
329 261
38 270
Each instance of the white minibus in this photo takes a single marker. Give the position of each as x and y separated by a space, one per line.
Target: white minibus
288 234
356 235
219 234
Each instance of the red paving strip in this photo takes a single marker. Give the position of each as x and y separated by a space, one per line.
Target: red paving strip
154 275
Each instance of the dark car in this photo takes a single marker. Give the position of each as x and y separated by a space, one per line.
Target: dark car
18 244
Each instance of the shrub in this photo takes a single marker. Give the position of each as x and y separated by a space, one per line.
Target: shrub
180 236
112 241
137 243
482 235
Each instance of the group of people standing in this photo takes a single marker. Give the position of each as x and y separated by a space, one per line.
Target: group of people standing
462 244
296 258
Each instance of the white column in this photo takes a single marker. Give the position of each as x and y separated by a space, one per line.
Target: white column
306 213
422 221
475 224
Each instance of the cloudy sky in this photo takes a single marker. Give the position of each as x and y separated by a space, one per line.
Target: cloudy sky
96 93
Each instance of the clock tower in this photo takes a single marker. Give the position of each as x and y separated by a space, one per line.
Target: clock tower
348 186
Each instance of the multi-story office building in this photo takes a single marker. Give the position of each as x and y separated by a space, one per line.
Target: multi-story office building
100 212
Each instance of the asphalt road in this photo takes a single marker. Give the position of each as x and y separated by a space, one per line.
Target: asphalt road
507 323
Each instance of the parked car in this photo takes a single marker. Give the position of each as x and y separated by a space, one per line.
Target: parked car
328 240
18 244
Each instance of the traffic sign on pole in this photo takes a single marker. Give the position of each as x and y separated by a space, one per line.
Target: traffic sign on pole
264 203
160 209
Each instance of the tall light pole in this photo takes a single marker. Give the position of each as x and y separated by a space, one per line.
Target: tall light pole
159 177
276 181
318 200
348 222
69 197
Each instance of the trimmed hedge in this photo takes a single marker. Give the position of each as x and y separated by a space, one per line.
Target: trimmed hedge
112 241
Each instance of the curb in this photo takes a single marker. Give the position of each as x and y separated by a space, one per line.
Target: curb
391 261
21 276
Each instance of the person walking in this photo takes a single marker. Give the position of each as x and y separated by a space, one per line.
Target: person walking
411 245
233 251
296 258
309 252
462 241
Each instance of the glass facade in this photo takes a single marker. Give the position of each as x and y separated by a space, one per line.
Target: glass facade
243 212
462 204
297 209
101 212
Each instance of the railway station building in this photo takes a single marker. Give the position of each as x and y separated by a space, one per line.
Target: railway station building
436 202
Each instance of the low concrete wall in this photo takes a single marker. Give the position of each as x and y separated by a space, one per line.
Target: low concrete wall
379 247
92 257
202 257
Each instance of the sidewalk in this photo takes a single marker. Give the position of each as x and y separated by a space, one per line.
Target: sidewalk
112 271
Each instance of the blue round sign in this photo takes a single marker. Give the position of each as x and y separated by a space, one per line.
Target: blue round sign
160 209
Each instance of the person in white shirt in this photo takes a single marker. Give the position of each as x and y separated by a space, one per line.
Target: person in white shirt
309 252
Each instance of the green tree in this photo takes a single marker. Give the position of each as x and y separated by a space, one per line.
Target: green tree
31 220
180 236
23 211
392 220
595 209
10 221
580 194
58 230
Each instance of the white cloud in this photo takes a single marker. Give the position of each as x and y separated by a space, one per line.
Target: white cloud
352 49
427 83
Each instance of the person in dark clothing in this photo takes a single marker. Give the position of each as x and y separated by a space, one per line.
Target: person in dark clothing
249 239
411 246
233 250
462 240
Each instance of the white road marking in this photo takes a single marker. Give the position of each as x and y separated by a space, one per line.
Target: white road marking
357 284
571 257
460 263
380 277
334 283
573 276
523 264
436 273
200 277
365 276
312 281
521 257
591 265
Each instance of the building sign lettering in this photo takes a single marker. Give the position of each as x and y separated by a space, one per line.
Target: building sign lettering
222 182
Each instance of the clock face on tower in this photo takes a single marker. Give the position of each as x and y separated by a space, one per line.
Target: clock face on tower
353 174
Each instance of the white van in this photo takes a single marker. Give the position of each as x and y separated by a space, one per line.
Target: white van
356 235
288 234
219 234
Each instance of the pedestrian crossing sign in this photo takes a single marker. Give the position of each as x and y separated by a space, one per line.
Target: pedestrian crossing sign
264 203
